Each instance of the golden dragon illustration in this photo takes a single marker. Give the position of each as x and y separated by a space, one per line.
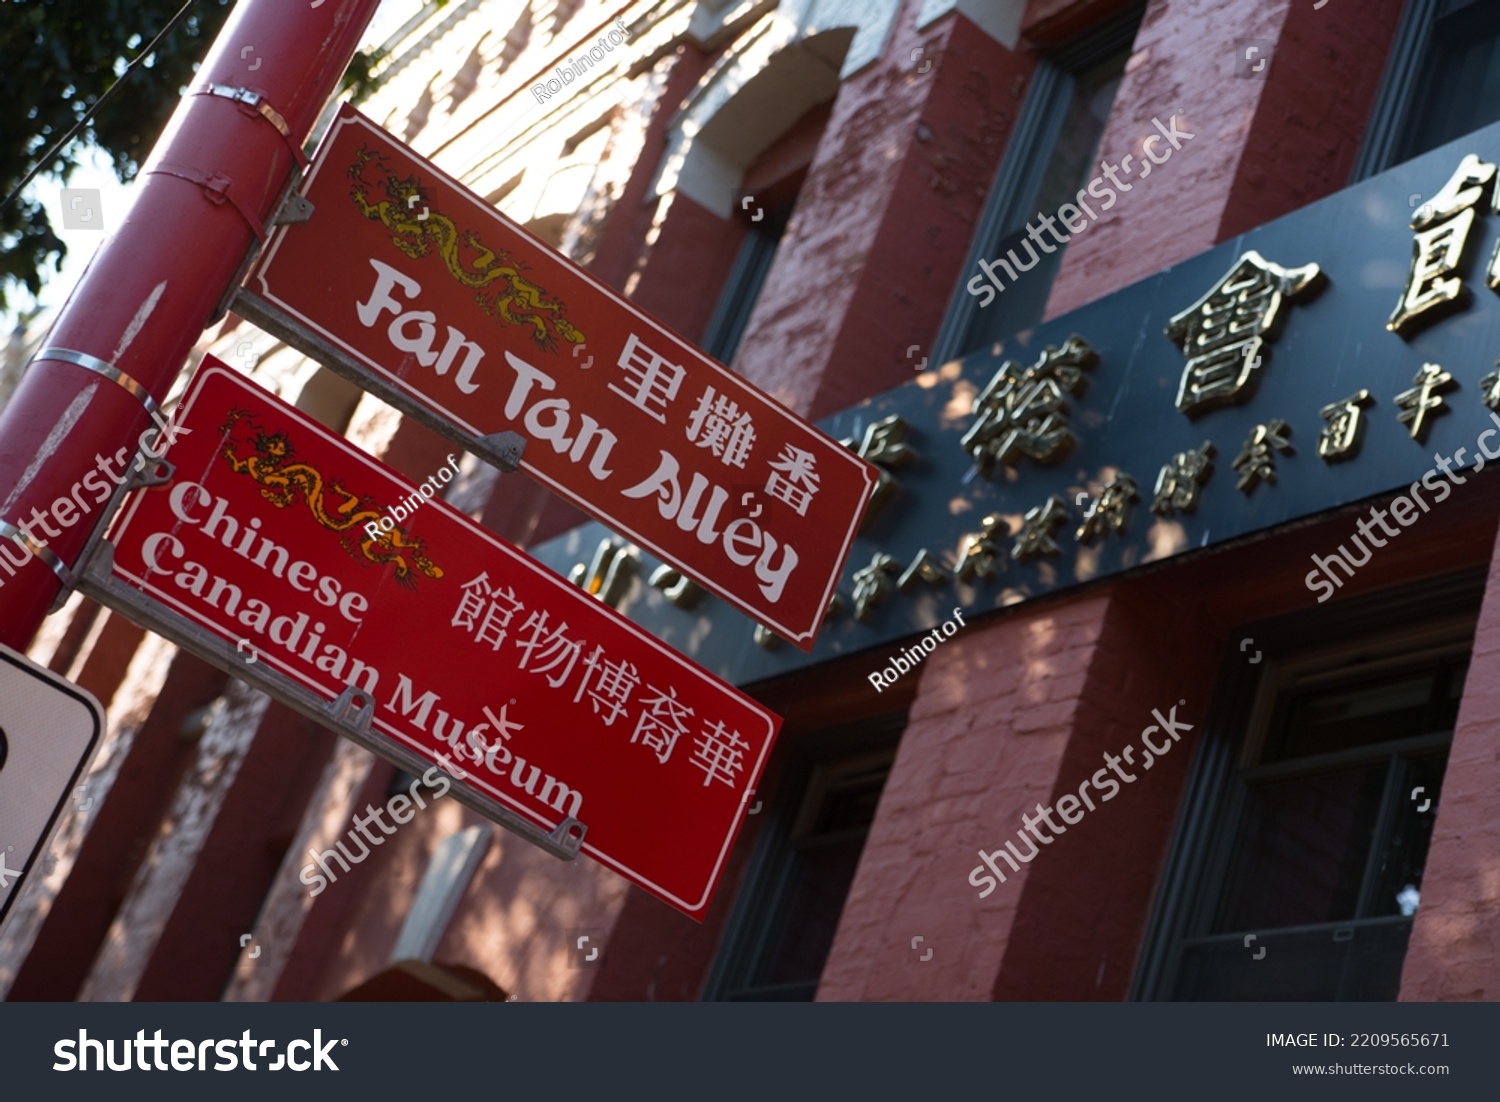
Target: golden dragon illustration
267 458
499 288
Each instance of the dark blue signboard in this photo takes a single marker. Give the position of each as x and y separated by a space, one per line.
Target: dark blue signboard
1280 349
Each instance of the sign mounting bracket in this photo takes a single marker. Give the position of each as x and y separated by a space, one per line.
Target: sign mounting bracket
144 473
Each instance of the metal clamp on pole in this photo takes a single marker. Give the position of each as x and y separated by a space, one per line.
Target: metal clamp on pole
147 474
39 551
292 208
216 187
143 473
255 104
101 367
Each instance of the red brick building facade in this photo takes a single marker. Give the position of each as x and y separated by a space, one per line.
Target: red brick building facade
878 138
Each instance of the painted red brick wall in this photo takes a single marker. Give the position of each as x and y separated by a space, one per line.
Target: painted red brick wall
884 219
1080 919
621 245
109 658
1261 147
790 156
1303 142
1020 708
1009 716
987 731
199 945
326 961
682 273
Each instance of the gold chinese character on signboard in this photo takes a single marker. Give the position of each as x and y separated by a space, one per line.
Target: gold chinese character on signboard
1038 527
1256 463
1023 411
884 444
1423 398
680 590
872 585
1489 388
1339 439
979 553
609 575
1223 334
1178 484
1442 224
924 568
1110 511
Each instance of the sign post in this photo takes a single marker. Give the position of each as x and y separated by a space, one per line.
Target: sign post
203 198
48 730
410 285
270 547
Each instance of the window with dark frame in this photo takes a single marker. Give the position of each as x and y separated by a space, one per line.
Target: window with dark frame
746 280
1297 870
792 897
1442 81
1052 156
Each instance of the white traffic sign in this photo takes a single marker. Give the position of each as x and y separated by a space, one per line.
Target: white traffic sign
48 729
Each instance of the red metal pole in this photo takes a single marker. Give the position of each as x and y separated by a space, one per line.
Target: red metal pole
220 166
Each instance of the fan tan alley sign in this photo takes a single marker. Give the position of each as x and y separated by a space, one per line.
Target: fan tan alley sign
422 292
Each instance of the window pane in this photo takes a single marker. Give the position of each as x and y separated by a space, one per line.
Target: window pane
1348 717
1302 849
1460 88
1359 963
1073 158
825 860
1314 869
1406 855
1071 165
821 883
746 280
810 880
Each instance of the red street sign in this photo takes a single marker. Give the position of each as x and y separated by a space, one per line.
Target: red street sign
473 326
277 537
